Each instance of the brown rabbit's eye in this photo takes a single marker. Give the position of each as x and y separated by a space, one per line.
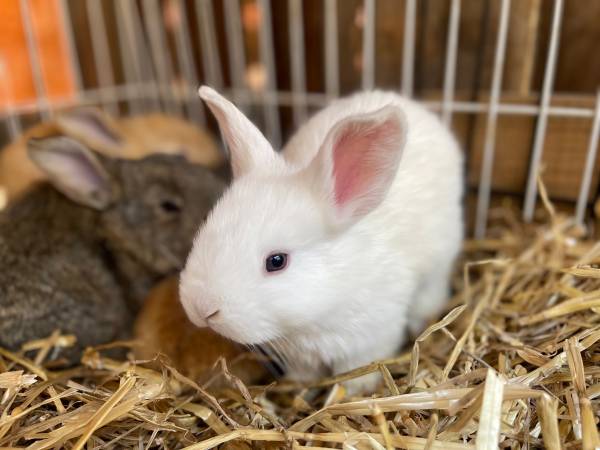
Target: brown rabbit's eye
170 206
276 262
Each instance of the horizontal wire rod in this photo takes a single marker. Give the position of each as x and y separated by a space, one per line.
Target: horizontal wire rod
126 92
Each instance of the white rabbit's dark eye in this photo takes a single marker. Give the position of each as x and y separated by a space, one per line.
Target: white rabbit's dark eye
276 262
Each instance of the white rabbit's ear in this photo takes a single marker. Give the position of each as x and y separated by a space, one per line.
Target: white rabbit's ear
248 147
358 161
73 170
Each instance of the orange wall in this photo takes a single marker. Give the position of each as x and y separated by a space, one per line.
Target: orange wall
16 80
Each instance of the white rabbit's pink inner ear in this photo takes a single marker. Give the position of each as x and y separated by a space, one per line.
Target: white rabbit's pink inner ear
364 158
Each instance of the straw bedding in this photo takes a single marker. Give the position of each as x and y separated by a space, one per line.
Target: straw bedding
515 361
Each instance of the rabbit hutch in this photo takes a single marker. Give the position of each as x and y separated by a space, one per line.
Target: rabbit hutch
514 360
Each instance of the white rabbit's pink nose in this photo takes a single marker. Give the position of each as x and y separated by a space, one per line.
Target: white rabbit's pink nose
201 313
194 299
195 312
195 316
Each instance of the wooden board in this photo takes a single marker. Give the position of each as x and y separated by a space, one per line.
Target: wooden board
564 152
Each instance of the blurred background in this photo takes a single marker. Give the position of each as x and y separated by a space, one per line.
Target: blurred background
516 80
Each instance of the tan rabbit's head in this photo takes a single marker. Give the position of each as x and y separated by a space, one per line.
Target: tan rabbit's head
128 138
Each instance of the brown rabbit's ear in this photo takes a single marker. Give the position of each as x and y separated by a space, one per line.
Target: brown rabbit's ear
93 127
72 169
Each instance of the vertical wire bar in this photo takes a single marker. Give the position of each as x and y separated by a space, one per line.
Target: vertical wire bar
67 25
485 182
188 68
129 71
101 52
137 48
160 55
208 43
235 47
408 48
368 45
268 60
13 124
298 61
42 101
332 61
590 163
450 69
540 129
126 14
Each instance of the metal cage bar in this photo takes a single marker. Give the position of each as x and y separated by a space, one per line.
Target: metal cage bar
127 59
157 75
297 60
188 68
485 182
67 24
408 48
368 45
144 70
267 58
540 129
235 47
13 123
101 51
11 117
42 101
590 162
332 65
208 42
313 99
450 67
160 56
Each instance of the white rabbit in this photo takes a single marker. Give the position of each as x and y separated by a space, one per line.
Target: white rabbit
328 252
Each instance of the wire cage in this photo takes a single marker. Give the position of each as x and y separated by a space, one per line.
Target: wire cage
513 363
501 73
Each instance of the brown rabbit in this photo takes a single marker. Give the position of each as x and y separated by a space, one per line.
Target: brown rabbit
81 252
130 138
163 327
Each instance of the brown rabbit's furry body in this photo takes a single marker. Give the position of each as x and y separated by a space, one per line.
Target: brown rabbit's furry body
162 327
86 268
41 286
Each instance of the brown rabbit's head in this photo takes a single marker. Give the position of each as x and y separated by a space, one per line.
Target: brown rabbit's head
148 209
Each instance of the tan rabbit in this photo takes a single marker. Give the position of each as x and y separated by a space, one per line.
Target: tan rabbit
163 327
130 138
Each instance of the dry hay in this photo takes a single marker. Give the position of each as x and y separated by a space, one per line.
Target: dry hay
515 361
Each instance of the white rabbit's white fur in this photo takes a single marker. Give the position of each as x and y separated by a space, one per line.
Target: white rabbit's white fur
355 280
